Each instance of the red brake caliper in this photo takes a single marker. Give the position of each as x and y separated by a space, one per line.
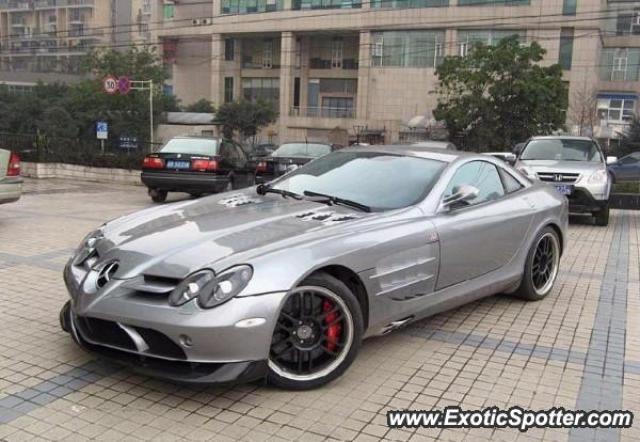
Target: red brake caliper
333 331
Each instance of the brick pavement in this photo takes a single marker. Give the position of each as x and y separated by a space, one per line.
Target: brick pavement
579 348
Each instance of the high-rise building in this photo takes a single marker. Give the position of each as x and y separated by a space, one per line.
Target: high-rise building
341 69
45 39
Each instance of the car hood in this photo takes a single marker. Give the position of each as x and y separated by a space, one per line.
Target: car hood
581 167
176 239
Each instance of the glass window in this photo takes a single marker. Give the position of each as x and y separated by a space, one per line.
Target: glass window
569 7
620 64
261 89
468 38
561 150
379 180
566 48
307 150
408 3
251 6
481 175
229 49
407 48
228 89
325 4
616 110
197 146
492 2
510 183
168 11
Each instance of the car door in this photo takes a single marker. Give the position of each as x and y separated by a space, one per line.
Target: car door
484 235
628 168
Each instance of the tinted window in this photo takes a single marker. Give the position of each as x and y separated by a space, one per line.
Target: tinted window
379 180
481 175
302 150
563 150
630 159
191 145
510 183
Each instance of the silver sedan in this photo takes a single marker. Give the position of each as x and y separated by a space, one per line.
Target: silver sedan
285 280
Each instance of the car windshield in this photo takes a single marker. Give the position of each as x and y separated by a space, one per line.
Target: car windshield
310 150
561 150
193 146
381 181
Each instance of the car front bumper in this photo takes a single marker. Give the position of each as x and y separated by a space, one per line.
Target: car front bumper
582 200
184 181
10 189
185 344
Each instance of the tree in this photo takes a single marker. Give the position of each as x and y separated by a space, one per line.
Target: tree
203 106
584 112
630 140
245 117
498 96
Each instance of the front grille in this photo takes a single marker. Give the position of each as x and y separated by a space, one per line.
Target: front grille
109 333
558 177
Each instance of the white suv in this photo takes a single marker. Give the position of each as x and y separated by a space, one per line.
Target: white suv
576 167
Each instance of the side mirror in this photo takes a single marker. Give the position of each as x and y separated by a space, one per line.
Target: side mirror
612 160
462 196
510 158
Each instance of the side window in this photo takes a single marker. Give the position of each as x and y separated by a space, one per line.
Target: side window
510 183
631 159
481 175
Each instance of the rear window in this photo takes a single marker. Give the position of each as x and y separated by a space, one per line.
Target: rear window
193 146
310 150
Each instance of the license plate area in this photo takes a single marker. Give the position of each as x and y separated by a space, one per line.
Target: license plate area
178 164
564 189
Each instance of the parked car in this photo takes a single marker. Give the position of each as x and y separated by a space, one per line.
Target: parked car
626 168
10 180
576 167
263 150
285 280
447 145
507 157
197 165
288 157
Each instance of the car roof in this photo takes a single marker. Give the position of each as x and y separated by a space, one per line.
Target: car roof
561 137
432 153
434 144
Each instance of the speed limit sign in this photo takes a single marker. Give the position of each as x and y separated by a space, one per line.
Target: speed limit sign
110 84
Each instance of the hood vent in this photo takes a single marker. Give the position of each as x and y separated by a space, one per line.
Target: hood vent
237 200
326 217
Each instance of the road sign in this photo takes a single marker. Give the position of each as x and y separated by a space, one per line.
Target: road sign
110 85
102 130
124 85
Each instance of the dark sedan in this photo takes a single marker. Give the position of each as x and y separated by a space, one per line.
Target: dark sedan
197 166
626 168
288 157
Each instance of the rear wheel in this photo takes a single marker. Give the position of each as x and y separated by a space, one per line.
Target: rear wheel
317 335
195 194
541 269
158 196
602 216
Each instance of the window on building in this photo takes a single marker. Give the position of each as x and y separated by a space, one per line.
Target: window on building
267 54
493 2
337 50
569 7
620 64
228 89
408 3
251 6
407 48
490 37
261 89
337 107
628 23
325 4
566 48
229 49
616 109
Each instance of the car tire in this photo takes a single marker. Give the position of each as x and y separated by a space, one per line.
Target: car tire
195 194
534 286
158 196
602 216
325 288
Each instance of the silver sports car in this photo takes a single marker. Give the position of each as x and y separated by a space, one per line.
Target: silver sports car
285 280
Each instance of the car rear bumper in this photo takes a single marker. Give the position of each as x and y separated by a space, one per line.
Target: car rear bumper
184 182
10 189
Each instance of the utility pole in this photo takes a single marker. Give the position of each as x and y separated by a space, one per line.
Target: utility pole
143 85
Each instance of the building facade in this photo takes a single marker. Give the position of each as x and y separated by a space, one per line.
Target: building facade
341 70
46 39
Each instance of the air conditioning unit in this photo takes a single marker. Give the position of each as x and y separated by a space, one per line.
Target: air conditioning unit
196 22
206 21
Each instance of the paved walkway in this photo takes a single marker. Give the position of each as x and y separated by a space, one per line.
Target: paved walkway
579 348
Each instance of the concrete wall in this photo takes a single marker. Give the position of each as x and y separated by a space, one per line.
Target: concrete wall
84 173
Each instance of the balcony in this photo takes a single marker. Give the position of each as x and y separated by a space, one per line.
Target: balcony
345 63
323 112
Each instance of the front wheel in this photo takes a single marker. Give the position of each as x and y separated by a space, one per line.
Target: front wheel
541 268
602 216
317 334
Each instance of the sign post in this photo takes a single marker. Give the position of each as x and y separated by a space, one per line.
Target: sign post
102 133
142 85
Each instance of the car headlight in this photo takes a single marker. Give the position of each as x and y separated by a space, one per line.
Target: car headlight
192 287
598 177
229 283
87 246
529 173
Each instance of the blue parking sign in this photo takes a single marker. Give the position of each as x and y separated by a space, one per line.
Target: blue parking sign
102 130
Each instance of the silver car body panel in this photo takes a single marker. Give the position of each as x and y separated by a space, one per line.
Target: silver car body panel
413 262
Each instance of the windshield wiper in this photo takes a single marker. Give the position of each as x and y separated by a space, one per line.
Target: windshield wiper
263 189
336 200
